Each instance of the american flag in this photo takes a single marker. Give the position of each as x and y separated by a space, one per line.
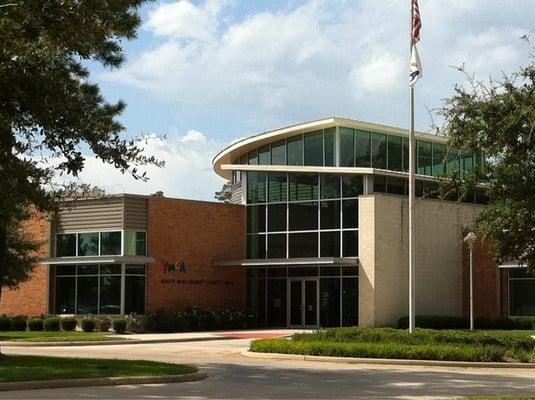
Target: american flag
415 64
416 22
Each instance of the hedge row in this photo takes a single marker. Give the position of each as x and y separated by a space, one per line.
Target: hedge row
52 323
513 341
443 352
198 319
449 322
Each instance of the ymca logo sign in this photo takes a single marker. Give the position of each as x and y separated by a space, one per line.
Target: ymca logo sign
179 266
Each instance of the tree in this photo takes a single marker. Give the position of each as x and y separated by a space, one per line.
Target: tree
497 119
225 194
50 111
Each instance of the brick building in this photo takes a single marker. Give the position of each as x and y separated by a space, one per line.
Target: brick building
317 236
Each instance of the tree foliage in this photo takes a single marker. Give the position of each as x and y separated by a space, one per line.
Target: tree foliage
498 119
49 109
225 194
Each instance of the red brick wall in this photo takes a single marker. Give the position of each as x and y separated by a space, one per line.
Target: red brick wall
197 233
31 296
487 282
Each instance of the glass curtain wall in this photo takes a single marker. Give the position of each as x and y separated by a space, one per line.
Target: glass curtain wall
521 293
338 294
304 215
97 288
358 148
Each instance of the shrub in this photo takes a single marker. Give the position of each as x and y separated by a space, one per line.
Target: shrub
443 352
5 323
198 319
119 325
17 323
103 324
35 324
449 322
525 323
88 325
52 324
136 323
68 323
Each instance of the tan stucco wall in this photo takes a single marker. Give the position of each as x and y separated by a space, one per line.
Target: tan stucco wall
383 255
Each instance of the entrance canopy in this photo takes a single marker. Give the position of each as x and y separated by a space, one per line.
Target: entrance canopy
263 262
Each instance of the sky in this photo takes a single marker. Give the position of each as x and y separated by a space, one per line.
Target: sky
203 74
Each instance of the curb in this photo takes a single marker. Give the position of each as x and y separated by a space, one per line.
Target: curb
131 380
107 342
386 361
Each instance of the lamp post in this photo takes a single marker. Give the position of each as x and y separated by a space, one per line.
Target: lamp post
471 239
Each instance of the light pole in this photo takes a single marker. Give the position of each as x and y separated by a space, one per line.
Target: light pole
471 239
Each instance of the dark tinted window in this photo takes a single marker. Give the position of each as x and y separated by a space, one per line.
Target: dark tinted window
256 219
350 213
329 137
394 153
278 153
66 245
276 246
352 185
313 148
350 243
303 245
347 148
330 214
330 186
276 217
264 155
362 148
378 150
88 244
110 243
294 148
303 186
303 216
277 186
330 244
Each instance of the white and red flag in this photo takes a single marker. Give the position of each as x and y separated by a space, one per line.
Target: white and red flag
415 67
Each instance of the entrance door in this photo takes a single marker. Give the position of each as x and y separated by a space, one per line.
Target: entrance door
303 302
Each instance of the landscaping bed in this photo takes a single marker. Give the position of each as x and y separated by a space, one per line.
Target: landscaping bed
424 344
35 368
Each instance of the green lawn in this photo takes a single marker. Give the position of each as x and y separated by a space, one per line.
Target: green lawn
423 344
33 368
61 336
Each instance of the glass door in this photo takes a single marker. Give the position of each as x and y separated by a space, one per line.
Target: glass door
303 302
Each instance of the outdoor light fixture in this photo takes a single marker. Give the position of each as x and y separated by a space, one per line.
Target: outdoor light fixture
471 238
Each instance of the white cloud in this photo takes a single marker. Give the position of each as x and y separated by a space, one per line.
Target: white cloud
383 74
187 172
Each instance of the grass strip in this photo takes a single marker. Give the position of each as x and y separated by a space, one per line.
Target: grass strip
36 368
509 340
60 336
442 352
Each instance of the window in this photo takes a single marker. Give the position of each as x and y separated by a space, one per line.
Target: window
252 157
295 150
276 246
278 153
350 213
134 291
303 245
439 158
452 163
256 219
110 243
405 145
330 244
394 153
352 185
66 245
424 157
330 186
256 187
362 148
303 186
347 148
329 138
135 243
65 294
88 244
521 293
350 243
277 217
303 216
313 144
330 214
264 155
277 186
256 246
378 150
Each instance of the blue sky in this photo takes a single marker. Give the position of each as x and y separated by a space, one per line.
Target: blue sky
205 73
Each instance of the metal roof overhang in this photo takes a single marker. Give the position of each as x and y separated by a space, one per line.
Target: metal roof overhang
99 260
273 262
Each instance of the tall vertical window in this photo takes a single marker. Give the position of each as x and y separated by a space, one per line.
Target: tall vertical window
313 145
329 139
439 159
362 148
264 155
88 244
110 243
134 289
330 186
405 150
278 153
256 187
135 243
347 148
294 147
424 157
277 186
394 153
256 218
303 186
252 157
379 151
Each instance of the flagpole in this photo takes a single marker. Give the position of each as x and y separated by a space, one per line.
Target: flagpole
412 317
